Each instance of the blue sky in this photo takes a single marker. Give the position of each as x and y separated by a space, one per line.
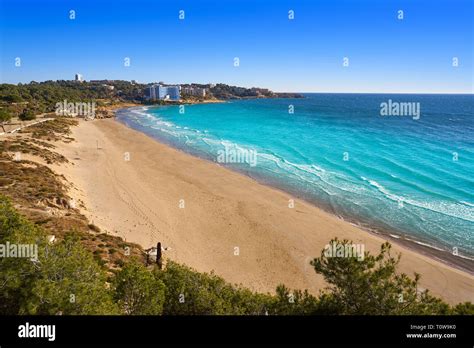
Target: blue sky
413 55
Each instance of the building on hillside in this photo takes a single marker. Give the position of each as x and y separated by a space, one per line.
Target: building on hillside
79 78
161 92
194 91
168 92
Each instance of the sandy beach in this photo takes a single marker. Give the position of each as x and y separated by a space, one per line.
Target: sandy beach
212 218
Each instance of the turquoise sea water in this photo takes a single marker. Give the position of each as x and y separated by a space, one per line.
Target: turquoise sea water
412 178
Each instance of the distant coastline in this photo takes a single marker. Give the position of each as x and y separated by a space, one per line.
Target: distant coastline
25 101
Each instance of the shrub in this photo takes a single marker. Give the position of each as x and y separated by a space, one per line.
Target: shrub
27 115
466 308
137 292
5 116
16 274
372 287
191 293
296 302
64 279
68 279
69 282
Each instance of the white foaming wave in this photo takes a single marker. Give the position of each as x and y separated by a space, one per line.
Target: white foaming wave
455 210
236 146
211 142
465 257
439 249
226 143
274 159
283 165
290 167
425 244
326 180
310 168
332 179
383 190
149 120
311 171
168 131
162 122
431 246
312 182
140 111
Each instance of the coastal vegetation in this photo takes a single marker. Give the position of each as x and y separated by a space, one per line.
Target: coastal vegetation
67 279
27 115
27 100
5 116
223 91
35 98
81 270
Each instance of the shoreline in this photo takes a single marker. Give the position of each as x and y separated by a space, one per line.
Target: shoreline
231 209
402 238
463 263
